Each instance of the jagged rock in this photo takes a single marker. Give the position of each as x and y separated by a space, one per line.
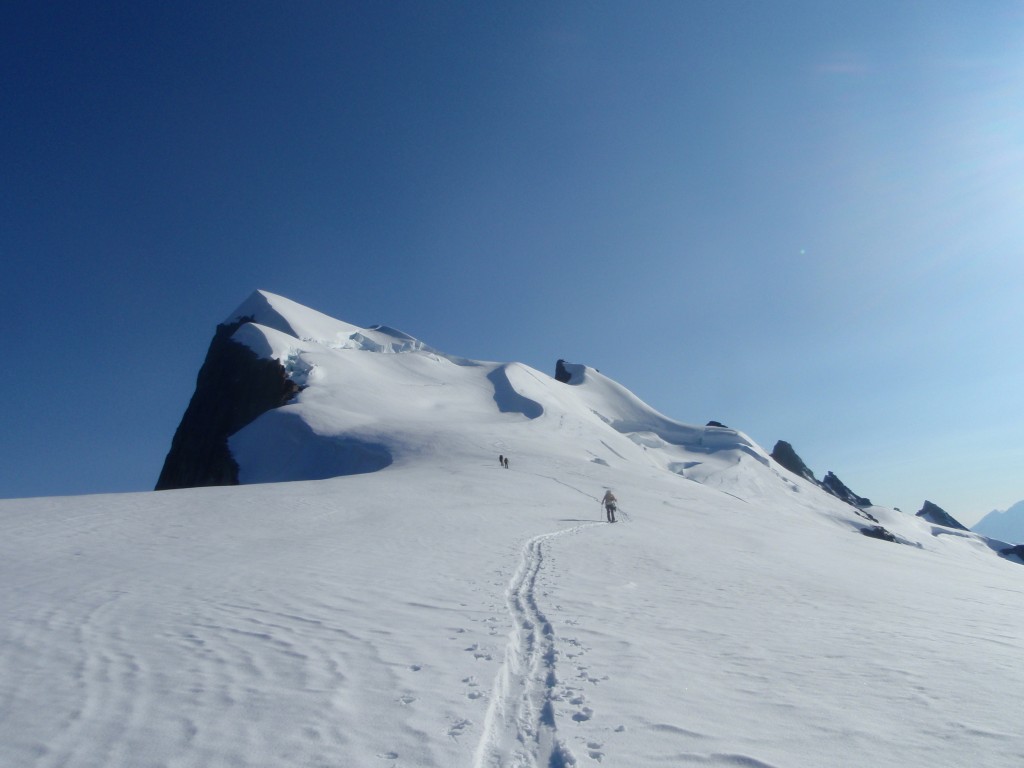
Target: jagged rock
716 424
933 513
570 373
1014 551
835 486
561 372
878 532
784 454
234 386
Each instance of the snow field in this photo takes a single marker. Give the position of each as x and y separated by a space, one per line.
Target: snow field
419 606
468 615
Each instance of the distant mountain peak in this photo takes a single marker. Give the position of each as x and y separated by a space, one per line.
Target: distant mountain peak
1006 525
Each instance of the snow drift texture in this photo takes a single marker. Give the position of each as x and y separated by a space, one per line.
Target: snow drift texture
420 606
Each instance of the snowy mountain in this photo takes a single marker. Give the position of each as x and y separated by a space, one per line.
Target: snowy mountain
368 397
404 601
1007 524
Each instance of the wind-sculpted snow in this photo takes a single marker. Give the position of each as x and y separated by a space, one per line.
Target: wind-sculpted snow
304 324
628 414
267 342
665 434
508 398
292 319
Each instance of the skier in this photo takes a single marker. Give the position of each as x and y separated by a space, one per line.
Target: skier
609 502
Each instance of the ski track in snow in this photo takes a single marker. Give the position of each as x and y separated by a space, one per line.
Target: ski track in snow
519 728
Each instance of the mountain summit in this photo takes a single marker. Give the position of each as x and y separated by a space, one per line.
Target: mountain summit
260 358
288 393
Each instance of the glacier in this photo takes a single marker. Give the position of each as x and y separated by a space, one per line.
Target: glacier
379 592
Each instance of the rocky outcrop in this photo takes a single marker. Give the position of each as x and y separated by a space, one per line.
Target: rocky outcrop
234 386
784 454
878 532
562 373
933 513
835 486
1016 551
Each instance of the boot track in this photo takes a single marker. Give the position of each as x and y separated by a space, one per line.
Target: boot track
519 728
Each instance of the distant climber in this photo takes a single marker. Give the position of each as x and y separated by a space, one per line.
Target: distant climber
501 460
610 505
506 462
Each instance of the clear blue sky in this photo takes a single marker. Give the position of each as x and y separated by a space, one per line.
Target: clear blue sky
803 219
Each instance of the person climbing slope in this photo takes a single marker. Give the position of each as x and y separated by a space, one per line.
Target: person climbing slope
610 505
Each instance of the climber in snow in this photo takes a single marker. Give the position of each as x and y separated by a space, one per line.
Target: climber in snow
610 505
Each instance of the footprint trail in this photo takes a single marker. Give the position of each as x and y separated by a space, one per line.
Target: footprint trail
519 728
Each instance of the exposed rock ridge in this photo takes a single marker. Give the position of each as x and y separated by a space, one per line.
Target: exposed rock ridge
562 373
933 513
785 455
234 386
837 488
788 458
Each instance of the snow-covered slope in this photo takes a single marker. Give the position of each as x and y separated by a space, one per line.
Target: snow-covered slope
428 608
373 396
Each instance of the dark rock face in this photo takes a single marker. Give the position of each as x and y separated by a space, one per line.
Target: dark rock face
1014 551
878 532
561 372
835 486
784 454
234 386
933 513
716 424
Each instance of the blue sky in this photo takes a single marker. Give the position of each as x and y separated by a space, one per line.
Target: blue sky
801 219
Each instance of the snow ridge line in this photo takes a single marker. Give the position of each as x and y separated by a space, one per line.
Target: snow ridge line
519 728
